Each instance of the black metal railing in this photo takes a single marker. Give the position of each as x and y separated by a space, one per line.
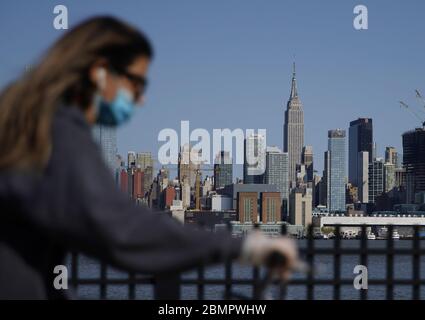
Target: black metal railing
168 286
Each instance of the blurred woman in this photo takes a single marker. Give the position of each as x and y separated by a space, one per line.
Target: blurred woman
56 193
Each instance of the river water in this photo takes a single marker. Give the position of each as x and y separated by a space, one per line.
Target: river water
323 265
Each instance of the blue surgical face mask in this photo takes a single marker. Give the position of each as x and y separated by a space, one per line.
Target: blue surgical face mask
117 111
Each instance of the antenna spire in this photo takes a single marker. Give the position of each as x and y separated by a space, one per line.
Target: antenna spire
294 92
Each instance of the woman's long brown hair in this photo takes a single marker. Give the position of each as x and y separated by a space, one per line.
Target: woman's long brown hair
27 106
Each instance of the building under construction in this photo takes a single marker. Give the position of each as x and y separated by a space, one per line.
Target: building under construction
414 162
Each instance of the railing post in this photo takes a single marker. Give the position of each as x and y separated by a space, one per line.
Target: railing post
282 286
228 270
310 261
256 276
167 286
363 257
416 263
103 280
131 286
201 280
337 263
390 263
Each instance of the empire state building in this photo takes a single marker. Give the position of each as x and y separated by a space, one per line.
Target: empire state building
293 130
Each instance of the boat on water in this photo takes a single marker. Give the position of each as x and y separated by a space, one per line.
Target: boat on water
371 236
383 234
349 234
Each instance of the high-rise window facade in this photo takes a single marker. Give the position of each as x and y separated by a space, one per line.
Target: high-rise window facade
106 138
337 172
360 139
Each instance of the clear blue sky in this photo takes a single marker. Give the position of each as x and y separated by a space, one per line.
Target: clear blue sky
227 64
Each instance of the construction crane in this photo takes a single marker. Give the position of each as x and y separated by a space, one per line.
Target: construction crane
419 96
407 107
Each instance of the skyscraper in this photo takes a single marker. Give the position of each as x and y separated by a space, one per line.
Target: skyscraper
324 185
337 173
317 183
389 177
300 207
223 170
188 164
131 159
123 180
130 180
277 171
162 178
391 155
293 130
106 138
254 159
400 178
148 178
376 179
414 161
360 139
144 160
307 160
363 174
138 190
185 193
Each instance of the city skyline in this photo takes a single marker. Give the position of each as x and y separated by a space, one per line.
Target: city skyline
351 74
360 138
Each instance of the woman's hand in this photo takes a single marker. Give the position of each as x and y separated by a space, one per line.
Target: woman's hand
279 254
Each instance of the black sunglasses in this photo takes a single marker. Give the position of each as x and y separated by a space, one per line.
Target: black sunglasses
139 82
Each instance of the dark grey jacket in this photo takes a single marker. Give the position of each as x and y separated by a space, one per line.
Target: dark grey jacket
75 205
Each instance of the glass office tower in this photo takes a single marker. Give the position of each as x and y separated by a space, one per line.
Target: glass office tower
337 171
